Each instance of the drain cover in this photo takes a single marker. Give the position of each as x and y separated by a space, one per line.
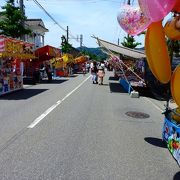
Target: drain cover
138 115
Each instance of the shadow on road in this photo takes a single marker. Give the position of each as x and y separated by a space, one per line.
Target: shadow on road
111 78
116 88
53 81
155 142
22 94
177 176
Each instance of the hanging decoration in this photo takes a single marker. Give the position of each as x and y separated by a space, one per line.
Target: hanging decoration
132 20
156 10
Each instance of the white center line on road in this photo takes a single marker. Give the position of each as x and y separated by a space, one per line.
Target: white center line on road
43 115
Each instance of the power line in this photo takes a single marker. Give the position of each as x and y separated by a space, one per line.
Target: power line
41 7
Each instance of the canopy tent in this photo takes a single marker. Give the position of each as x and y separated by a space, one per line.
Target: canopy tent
47 52
81 59
120 50
67 58
10 47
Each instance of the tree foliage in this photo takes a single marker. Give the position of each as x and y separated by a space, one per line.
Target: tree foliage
130 42
65 46
11 22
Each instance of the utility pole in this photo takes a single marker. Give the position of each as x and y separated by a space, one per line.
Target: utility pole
67 35
118 41
21 6
81 40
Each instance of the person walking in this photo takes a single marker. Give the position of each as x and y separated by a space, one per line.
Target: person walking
94 72
100 74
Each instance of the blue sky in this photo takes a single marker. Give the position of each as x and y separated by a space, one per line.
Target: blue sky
86 17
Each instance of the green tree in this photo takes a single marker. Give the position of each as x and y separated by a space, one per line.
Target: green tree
65 46
11 22
130 42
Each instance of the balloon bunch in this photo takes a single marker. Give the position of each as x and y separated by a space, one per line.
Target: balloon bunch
149 16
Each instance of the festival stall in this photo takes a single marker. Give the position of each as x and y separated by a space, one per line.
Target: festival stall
65 67
80 62
43 58
13 53
151 13
128 65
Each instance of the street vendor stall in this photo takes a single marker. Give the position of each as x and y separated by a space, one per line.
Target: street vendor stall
80 62
35 68
12 54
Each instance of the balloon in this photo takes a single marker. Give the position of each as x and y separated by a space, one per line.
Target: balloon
175 85
132 20
171 28
157 52
156 10
176 117
176 7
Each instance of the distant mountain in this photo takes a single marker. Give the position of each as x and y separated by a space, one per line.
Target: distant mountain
94 52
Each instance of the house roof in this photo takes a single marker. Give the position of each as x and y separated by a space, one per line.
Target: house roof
120 50
36 23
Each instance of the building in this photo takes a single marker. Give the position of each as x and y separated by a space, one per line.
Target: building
38 32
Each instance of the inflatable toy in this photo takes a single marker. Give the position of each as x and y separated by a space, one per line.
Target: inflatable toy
156 10
176 115
132 20
157 52
176 7
172 29
175 85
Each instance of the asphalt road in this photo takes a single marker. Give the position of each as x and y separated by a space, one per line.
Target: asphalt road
72 129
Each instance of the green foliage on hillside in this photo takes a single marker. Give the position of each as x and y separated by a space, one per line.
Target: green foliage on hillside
93 53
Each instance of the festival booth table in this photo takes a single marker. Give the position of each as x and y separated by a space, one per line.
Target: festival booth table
13 54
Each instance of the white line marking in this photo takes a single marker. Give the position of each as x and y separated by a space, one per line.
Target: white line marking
153 104
43 115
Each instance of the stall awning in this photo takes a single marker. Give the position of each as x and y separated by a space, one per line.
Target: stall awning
10 47
47 52
120 50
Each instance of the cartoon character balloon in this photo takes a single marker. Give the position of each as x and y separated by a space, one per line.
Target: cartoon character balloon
156 10
132 20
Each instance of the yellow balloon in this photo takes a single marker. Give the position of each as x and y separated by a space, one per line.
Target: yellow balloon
171 30
157 52
175 85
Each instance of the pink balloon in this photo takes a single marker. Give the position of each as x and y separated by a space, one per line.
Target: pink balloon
156 10
132 20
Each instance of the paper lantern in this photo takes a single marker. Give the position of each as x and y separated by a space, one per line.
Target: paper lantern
157 52
171 28
132 20
175 85
156 10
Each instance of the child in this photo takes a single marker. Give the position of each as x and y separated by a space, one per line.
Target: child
101 75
